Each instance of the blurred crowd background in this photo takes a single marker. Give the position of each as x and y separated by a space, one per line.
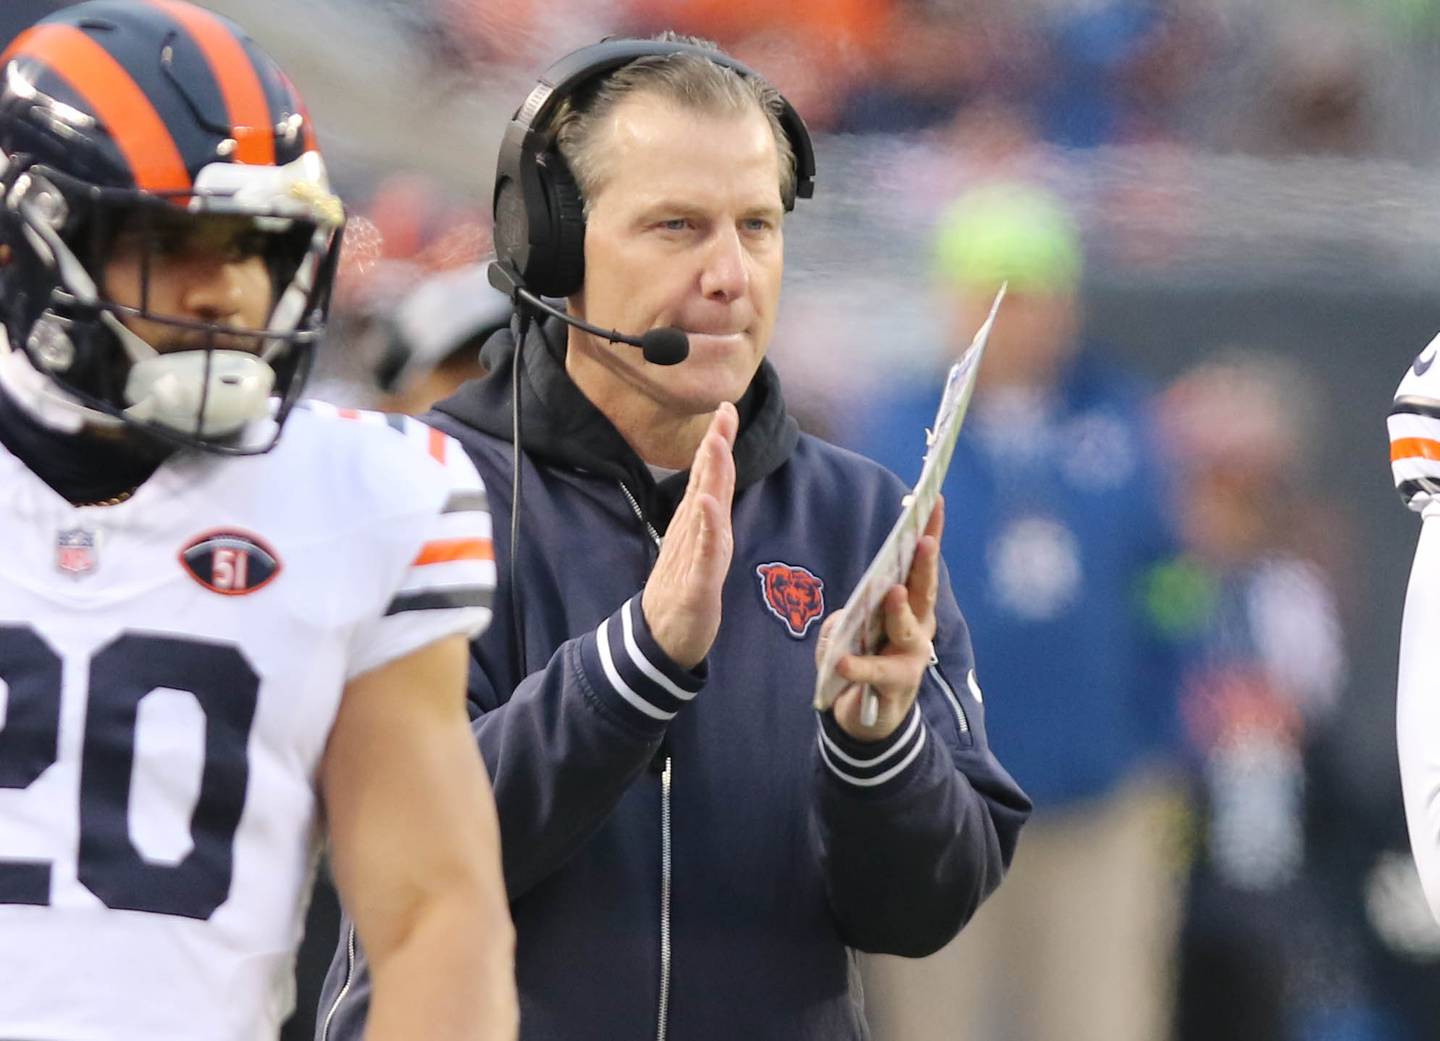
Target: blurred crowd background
1251 190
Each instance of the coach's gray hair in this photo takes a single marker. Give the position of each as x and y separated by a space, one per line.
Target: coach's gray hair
687 80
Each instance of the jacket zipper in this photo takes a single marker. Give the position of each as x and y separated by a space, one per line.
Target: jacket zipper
960 719
349 979
662 1017
640 515
662 1025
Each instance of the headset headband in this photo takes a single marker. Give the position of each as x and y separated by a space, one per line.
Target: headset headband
564 78
539 213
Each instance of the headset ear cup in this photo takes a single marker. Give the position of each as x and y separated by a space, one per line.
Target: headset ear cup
564 267
511 233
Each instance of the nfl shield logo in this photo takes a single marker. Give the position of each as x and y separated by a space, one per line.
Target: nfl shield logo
75 551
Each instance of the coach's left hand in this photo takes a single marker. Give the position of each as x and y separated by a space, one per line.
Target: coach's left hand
896 671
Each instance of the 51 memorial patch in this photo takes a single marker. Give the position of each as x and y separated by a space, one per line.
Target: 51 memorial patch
231 563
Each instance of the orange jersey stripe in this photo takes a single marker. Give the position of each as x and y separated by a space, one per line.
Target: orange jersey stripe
1414 448
443 551
437 444
117 101
245 100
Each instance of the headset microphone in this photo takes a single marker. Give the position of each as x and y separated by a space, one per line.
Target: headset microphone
663 346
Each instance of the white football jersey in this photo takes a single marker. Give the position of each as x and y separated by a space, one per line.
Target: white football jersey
1417 708
170 669
1414 425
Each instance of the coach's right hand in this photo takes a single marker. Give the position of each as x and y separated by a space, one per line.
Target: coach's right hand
681 601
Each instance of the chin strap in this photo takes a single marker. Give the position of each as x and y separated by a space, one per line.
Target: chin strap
199 393
202 393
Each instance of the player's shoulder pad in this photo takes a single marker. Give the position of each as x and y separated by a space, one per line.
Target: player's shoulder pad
419 438
1414 427
1422 378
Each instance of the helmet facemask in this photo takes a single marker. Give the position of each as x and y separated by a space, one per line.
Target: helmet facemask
89 305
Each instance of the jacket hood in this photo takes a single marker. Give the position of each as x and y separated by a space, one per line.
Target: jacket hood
559 425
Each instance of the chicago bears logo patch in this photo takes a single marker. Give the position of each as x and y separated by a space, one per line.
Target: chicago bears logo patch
793 595
230 563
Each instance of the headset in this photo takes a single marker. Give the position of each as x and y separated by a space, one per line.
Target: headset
539 212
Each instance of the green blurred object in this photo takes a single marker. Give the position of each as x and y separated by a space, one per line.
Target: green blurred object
1008 233
1401 17
1180 597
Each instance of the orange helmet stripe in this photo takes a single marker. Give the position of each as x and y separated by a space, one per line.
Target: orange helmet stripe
114 98
245 101
1414 448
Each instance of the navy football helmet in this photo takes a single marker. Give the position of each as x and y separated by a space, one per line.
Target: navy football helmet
157 119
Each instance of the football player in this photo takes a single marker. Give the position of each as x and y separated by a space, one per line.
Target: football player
1415 461
213 638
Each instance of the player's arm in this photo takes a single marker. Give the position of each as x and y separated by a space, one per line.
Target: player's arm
1417 709
1414 427
416 852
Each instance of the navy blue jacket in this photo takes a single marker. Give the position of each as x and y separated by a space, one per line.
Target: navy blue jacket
686 855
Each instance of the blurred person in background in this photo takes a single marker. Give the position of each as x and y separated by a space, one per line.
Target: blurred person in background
928 61
1121 72
1263 954
815 68
428 344
410 292
1057 516
1319 90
